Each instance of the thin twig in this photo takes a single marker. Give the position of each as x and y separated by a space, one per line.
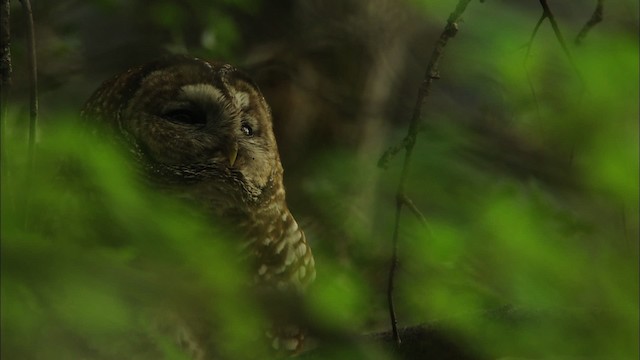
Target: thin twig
526 60
408 143
33 87
596 17
392 271
414 209
533 34
383 162
546 13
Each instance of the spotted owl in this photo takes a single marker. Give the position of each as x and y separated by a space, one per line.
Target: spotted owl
203 130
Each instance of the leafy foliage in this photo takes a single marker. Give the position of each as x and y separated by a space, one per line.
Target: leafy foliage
99 254
526 170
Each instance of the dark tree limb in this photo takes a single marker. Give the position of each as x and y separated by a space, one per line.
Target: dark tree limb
408 143
414 209
392 272
526 59
547 14
596 17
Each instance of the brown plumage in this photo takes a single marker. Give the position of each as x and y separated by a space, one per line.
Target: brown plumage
203 131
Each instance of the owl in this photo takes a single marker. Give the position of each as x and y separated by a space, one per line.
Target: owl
204 131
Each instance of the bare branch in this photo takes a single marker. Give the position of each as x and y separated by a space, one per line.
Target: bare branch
596 17
392 272
526 59
533 34
408 143
546 13
414 209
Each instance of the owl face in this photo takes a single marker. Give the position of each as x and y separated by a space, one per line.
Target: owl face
203 130
195 117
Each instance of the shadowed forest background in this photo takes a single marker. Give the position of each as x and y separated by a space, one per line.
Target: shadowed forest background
525 168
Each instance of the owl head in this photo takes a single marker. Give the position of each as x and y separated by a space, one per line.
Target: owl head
203 129
189 121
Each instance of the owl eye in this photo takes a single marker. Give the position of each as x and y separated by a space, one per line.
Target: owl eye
185 116
246 129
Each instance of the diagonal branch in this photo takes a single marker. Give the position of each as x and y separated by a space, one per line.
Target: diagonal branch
408 143
526 59
546 13
596 17
414 209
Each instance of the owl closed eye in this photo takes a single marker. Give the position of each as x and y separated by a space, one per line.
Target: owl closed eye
203 131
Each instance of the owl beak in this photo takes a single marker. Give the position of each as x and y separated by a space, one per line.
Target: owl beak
232 153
